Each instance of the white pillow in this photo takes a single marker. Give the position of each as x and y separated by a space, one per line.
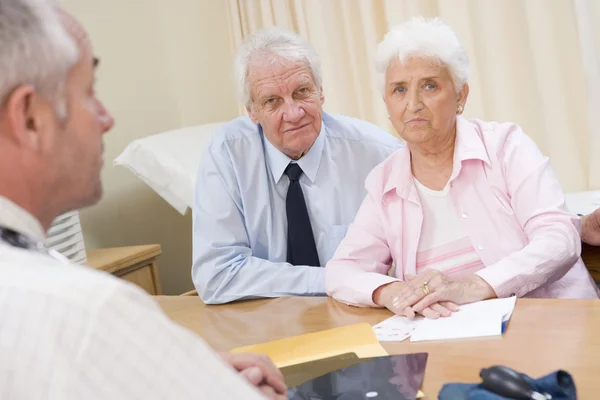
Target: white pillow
168 162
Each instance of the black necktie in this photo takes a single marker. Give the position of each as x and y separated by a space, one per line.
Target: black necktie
301 249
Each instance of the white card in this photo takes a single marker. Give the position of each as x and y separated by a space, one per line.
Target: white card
396 328
483 318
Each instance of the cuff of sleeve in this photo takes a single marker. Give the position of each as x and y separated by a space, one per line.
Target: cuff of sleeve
497 281
318 282
365 284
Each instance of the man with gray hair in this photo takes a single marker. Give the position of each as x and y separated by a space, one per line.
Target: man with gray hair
70 332
258 233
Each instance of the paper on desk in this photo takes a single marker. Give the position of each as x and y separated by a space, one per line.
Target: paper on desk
358 339
396 328
483 318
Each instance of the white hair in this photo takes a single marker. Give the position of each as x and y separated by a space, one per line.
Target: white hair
269 46
425 38
35 49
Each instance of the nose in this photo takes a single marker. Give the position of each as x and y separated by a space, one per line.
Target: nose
107 121
414 101
293 112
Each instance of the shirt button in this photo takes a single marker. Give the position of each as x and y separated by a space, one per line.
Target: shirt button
481 247
465 215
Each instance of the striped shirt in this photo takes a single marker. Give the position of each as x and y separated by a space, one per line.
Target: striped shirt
70 332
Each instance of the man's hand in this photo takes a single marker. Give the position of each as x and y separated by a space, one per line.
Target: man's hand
260 371
590 228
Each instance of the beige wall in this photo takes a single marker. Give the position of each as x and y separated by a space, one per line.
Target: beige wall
164 64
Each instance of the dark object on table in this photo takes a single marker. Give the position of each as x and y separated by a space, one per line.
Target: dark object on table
396 377
499 383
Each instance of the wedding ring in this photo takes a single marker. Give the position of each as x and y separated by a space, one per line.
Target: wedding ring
426 288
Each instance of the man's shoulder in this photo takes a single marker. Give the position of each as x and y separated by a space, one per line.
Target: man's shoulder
355 129
241 128
35 275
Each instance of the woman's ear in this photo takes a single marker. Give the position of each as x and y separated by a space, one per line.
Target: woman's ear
463 94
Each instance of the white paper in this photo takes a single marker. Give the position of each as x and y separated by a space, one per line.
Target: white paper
395 329
483 318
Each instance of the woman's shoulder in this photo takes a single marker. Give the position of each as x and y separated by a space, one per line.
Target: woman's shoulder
499 138
496 131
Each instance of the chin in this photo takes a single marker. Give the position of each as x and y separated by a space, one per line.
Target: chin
92 197
416 135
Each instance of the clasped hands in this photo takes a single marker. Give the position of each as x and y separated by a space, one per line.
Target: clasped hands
432 294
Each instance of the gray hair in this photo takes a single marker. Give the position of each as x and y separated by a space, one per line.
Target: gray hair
270 46
35 49
426 38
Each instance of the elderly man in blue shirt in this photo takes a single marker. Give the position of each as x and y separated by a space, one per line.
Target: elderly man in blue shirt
276 190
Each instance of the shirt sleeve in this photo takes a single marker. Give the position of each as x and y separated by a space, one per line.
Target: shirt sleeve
224 268
363 259
538 202
131 350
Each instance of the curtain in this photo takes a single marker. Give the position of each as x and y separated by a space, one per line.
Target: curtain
534 62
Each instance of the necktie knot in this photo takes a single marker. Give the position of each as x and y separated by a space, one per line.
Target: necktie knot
293 171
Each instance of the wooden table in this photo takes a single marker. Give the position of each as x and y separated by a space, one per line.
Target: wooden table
543 335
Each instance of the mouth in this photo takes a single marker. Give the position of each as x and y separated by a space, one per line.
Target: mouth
294 130
416 121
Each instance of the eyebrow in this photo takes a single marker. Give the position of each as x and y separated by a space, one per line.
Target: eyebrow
427 78
96 62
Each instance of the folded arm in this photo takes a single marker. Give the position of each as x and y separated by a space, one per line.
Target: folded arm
224 268
538 202
363 259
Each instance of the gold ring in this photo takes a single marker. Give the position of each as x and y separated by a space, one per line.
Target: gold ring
426 288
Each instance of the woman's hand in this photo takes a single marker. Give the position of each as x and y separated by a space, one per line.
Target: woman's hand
399 297
441 288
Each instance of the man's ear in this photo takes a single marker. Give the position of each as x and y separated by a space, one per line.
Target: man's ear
250 111
24 117
321 95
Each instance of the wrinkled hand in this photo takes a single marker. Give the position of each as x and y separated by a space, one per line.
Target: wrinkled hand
259 370
399 297
590 228
443 288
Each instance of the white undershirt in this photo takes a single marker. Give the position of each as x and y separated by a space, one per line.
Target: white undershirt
444 244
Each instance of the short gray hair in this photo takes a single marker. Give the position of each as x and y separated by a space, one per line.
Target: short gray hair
35 49
427 38
269 46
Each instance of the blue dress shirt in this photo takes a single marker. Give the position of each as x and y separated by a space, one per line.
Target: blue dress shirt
239 215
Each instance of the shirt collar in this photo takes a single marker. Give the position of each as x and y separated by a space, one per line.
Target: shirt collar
18 219
309 163
469 145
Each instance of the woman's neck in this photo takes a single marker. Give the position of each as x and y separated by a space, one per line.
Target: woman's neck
432 163
433 155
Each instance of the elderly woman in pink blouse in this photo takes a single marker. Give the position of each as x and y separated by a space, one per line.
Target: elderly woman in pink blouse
469 210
